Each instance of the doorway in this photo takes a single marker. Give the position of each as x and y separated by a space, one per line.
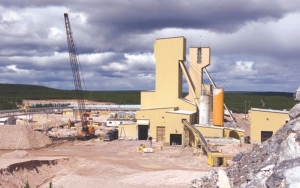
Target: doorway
265 135
160 134
143 132
175 139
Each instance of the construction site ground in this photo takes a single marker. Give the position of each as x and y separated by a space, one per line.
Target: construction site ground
97 163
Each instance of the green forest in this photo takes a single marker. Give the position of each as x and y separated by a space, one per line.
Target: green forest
11 95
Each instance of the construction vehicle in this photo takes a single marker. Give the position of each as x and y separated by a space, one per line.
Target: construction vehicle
86 131
111 135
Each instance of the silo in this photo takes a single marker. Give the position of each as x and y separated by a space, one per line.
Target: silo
218 106
204 109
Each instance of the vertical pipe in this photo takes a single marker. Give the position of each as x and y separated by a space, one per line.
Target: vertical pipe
213 83
204 109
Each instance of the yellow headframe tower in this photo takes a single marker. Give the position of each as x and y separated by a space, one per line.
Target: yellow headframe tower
168 52
199 59
165 115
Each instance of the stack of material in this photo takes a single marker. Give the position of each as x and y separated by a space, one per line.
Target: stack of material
274 163
22 137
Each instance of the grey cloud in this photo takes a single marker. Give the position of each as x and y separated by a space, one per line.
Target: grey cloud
131 27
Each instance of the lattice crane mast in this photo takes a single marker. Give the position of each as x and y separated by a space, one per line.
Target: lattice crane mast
75 69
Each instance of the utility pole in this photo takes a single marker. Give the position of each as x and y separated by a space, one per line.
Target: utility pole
249 106
91 91
245 108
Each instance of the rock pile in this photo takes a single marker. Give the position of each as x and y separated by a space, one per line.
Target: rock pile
274 163
16 137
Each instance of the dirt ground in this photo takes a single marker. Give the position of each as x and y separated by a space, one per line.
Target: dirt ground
108 164
96 163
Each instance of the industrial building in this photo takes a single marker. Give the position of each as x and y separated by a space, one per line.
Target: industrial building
265 122
165 114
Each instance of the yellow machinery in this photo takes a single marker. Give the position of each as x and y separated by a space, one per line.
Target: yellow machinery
91 129
214 158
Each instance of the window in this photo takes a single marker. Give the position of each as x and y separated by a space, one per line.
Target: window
199 55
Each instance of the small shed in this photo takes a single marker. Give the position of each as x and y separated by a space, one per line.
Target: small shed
265 122
7 121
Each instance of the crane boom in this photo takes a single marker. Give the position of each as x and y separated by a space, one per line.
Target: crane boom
75 68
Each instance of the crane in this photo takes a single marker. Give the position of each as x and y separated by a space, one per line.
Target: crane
76 74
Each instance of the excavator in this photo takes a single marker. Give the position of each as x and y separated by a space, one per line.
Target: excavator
87 131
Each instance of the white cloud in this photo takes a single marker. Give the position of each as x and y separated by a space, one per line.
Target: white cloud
10 16
17 70
245 66
114 66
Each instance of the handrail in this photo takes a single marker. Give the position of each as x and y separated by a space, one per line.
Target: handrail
17 112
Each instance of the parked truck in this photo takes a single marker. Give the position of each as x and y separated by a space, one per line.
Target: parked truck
111 135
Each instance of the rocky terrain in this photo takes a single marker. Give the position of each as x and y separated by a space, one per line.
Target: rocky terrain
274 163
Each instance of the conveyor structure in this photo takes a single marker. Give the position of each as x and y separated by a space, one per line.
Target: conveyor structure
214 157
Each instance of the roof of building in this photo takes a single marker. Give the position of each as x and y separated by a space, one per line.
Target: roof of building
270 110
181 112
188 101
157 108
209 126
219 127
124 107
4 119
235 129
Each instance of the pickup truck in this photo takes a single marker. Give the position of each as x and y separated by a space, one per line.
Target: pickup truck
111 135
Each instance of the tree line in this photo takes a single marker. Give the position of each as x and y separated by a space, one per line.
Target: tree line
12 95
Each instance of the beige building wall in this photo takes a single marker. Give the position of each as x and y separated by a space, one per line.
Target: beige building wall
233 133
156 117
175 126
148 99
168 53
128 131
210 131
266 120
168 86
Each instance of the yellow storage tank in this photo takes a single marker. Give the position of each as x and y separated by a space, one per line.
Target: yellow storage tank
218 106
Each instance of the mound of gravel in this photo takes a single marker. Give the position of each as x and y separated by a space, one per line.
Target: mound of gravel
14 137
16 154
274 163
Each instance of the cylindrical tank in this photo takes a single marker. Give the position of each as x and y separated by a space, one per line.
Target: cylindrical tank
204 109
218 106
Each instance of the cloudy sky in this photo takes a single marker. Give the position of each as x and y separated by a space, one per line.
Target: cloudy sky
255 45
